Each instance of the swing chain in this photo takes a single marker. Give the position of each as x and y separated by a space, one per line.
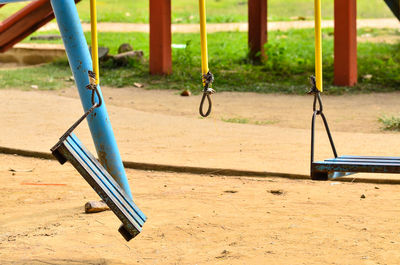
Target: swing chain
208 79
93 87
318 111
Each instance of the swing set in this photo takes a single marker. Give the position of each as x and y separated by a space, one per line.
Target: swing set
107 175
338 166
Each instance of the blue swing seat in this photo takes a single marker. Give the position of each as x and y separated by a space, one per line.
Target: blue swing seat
343 165
72 150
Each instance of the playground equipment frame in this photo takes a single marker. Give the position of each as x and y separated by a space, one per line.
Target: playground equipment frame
338 166
345 37
98 120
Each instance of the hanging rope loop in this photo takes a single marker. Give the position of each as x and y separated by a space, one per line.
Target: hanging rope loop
208 79
202 105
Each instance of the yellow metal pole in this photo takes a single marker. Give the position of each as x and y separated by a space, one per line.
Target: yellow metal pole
207 77
203 37
318 44
95 48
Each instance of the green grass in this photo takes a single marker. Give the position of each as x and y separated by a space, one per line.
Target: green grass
47 77
264 122
290 62
186 11
390 123
247 121
236 120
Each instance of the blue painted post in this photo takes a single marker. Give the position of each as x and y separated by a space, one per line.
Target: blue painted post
80 62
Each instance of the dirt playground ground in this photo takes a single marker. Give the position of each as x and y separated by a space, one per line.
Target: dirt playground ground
199 219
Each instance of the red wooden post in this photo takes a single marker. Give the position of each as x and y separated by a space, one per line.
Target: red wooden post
257 34
160 37
345 62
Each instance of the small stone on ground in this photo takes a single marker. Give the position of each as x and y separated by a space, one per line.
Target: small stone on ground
96 207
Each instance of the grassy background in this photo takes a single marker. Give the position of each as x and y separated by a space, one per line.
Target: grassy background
291 61
186 11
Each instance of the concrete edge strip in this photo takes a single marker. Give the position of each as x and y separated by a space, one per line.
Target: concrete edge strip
202 170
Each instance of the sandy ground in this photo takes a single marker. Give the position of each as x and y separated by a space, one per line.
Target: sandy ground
199 219
195 220
162 127
219 27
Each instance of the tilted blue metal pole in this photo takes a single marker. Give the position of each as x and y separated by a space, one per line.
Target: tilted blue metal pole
80 62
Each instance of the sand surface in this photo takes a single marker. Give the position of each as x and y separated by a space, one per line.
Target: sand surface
199 219
195 220
161 127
